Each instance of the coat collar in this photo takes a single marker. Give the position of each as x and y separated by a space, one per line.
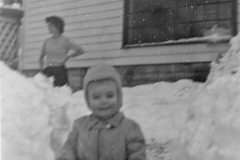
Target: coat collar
113 121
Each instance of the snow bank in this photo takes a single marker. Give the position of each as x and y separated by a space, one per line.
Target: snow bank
31 112
212 130
181 121
24 118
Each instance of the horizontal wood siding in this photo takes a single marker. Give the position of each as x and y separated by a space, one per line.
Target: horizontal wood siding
97 25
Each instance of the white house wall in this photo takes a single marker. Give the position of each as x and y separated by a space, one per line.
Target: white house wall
238 12
98 26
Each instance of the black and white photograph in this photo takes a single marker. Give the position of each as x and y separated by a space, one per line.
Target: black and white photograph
120 79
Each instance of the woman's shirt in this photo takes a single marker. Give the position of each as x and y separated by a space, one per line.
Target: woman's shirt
56 50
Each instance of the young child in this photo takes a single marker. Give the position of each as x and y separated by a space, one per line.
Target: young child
105 134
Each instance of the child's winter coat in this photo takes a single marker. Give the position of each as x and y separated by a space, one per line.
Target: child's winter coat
117 139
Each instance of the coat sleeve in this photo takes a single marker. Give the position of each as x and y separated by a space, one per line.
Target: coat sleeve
135 143
69 150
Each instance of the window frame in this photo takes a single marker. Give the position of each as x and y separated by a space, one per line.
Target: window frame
126 25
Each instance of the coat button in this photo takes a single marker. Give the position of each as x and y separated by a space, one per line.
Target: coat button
108 126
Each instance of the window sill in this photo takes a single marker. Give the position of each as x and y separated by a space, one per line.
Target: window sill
213 39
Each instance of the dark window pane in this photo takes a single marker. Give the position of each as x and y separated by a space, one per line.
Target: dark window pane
184 31
224 0
161 17
133 36
198 13
148 5
197 29
208 25
139 20
165 16
139 5
190 14
225 10
225 24
210 1
194 2
163 20
211 12
184 2
184 14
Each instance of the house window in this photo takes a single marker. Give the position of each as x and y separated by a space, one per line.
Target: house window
10 2
156 21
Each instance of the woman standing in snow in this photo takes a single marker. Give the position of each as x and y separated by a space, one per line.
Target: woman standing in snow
56 49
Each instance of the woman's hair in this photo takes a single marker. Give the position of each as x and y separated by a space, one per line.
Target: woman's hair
57 22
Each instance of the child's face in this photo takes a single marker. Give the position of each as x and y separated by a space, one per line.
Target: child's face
103 99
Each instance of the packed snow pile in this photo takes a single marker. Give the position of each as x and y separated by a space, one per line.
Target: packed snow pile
24 118
181 121
160 109
29 115
213 127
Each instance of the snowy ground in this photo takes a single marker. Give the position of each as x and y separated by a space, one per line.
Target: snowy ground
181 121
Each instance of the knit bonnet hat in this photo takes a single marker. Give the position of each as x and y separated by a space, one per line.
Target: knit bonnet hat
102 72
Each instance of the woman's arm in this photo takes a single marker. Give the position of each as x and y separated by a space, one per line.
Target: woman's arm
42 55
72 46
79 52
